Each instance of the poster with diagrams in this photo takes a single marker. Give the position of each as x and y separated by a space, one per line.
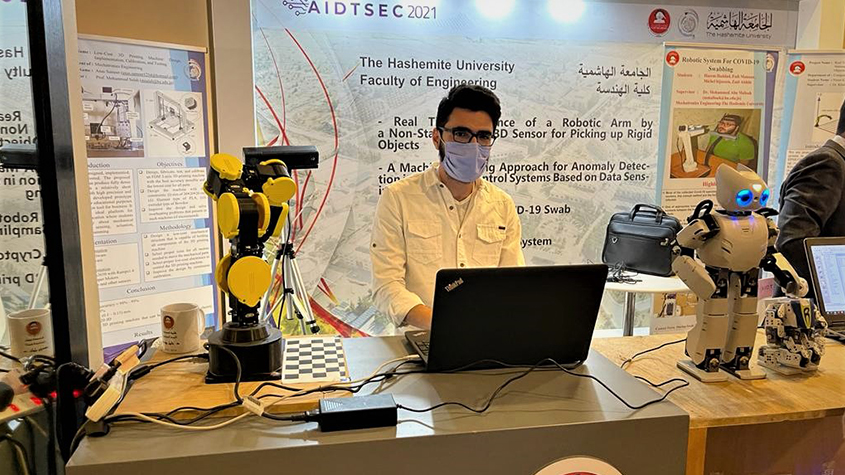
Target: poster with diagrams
172 122
814 92
827 115
146 135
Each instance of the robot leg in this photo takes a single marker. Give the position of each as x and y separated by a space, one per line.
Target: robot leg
739 345
707 339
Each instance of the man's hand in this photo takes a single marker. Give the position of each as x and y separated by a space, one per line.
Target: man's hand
419 316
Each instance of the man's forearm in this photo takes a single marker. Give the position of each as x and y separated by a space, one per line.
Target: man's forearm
419 316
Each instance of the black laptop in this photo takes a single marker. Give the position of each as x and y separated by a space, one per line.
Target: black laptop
515 315
827 265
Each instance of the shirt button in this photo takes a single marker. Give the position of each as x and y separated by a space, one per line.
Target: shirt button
441 186
451 208
462 264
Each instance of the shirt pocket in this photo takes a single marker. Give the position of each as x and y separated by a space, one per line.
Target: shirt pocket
424 241
488 247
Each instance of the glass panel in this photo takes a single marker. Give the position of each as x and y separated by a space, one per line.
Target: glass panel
21 240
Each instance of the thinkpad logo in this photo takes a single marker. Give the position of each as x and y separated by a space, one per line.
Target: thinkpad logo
454 285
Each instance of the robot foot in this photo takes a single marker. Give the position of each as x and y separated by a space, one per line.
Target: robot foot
704 376
779 368
740 366
750 373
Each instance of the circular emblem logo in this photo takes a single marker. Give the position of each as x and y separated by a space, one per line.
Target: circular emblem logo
579 466
33 328
770 62
688 23
658 22
796 68
673 58
193 70
168 322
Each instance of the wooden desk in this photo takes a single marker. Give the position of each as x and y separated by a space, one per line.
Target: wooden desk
542 417
676 169
813 402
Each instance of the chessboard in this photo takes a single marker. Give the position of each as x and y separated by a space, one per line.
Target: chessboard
314 360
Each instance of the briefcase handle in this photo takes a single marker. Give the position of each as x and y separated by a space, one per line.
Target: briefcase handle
659 213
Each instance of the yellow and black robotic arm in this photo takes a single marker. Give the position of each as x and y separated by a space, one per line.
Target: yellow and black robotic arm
247 218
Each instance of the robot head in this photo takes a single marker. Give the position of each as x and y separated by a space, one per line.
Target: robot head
740 189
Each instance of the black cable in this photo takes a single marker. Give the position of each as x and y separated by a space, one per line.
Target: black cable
100 126
485 406
9 356
178 358
51 437
664 383
619 273
631 359
561 368
77 438
22 449
238 374
301 417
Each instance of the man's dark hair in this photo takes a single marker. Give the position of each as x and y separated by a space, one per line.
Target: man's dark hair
840 127
470 97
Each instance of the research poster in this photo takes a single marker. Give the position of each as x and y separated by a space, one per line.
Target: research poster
716 111
144 110
21 228
813 95
580 90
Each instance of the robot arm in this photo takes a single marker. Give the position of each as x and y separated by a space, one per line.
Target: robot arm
776 263
701 227
785 275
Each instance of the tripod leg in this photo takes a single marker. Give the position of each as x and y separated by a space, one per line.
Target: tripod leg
304 299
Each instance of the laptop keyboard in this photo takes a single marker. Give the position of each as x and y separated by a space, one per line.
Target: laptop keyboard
423 348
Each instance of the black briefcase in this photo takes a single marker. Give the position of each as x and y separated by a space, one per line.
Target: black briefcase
641 240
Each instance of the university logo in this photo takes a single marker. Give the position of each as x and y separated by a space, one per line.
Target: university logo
658 22
579 466
193 70
688 23
797 68
673 58
33 328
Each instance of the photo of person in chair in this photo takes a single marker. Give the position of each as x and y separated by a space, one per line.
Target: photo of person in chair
728 143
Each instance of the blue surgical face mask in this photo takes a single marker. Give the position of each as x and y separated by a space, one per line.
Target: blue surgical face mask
465 162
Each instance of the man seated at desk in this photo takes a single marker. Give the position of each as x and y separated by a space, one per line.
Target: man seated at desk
728 143
446 216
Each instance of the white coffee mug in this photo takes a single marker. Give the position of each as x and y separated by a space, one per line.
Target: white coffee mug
181 327
31 332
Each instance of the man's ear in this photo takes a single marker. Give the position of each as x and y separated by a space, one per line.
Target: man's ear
435 138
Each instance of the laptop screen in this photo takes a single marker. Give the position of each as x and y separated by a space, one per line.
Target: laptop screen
828 263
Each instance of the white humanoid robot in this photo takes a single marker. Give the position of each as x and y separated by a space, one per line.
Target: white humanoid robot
794 331
732 245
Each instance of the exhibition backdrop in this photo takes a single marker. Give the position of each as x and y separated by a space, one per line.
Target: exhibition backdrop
591 115
580 86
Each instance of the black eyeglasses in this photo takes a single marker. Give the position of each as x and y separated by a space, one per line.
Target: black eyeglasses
464 135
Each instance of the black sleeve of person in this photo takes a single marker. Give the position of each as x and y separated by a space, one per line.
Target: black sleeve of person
809 197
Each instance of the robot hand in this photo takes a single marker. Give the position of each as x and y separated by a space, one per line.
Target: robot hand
797 288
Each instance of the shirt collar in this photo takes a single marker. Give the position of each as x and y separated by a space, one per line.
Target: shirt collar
839 140
431 179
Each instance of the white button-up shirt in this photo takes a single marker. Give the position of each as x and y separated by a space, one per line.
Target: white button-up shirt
418 230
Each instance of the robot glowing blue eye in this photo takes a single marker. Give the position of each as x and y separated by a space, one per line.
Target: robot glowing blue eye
744 197
764 197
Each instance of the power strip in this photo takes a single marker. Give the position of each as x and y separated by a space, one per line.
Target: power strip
22 405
